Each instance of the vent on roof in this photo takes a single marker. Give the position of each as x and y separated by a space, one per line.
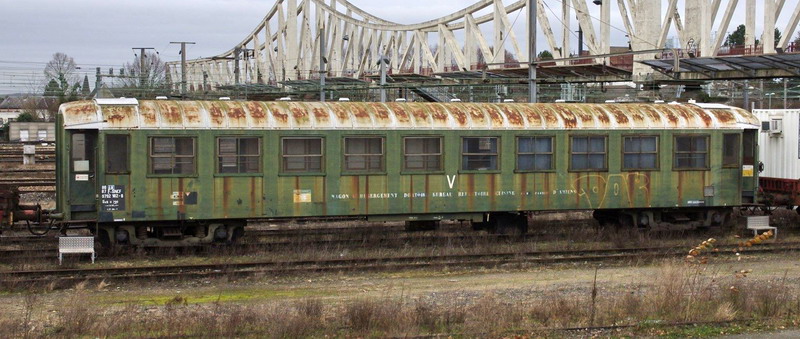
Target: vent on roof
225 98
400 100
161 97
285 99
344 99
455 100
508 101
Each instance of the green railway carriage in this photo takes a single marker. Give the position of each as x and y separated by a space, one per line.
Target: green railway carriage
165 172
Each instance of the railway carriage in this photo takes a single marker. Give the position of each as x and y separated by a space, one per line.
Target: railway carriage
167 172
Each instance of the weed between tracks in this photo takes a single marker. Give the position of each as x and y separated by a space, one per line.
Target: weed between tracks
675 293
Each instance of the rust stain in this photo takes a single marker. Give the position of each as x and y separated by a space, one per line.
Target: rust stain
492 190
281 118
321 115
410 193
257 113
724 116
420 115
363 118
459 115
181 207
654 116
191 112
119 115
438 114
217 116
523 189
148 113
535 118
619 115
495 116
381 114
170 114
159 198
471 192
253 196
300 115
400 113
341 114
226 194
476 115
569 118
514 117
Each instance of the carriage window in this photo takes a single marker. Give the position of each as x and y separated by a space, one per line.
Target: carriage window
691 152
423 154
363 154
588 154
172 155
238 155
479 154
730 150
302 155
640 153
82 152
535 153
117 153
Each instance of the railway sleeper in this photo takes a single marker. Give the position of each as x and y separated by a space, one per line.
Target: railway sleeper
170 234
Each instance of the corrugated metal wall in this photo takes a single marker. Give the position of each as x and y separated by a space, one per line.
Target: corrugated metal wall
779 144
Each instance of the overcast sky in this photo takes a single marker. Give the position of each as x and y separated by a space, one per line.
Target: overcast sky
102 32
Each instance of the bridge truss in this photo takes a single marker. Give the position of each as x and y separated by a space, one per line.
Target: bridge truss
288 44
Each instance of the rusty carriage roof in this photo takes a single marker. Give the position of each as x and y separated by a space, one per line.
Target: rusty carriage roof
168 114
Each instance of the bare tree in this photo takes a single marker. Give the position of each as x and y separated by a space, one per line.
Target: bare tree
152 74
61 68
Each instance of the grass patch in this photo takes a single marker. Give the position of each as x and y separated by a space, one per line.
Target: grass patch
226 296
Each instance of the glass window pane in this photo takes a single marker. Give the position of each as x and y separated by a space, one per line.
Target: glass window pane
117 153
683 144
227 146
730 150
163 146
525 145
631 161
647 161
544 145
184 146
579 161
632 145
597 145
580 144
597 161
248 146
648 144
543 162
525 162
700 144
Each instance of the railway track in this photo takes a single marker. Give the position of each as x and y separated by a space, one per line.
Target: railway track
59 278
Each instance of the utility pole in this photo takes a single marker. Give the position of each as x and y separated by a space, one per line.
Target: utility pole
183 64
532 9
322 65
382 61
142 74
236 52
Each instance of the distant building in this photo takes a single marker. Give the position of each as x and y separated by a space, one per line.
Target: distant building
31 131
13 106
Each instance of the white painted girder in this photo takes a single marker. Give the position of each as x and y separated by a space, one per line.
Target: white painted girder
286 41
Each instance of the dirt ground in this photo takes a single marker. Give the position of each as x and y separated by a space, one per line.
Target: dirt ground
442 287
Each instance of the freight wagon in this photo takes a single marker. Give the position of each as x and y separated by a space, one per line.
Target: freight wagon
167 172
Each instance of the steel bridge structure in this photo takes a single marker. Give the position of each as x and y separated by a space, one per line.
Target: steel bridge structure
298 40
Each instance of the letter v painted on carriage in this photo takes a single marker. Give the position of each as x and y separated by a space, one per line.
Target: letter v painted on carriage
452 181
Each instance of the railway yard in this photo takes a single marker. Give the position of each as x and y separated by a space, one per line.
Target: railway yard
358 278
567 277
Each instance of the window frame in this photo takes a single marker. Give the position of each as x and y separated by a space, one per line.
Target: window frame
128 153
260 155
283 172
739 147
497 154
587 153
441 154
552 153
657 153
368 171
675 152
150 173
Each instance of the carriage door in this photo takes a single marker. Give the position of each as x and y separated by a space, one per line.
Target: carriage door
82 168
